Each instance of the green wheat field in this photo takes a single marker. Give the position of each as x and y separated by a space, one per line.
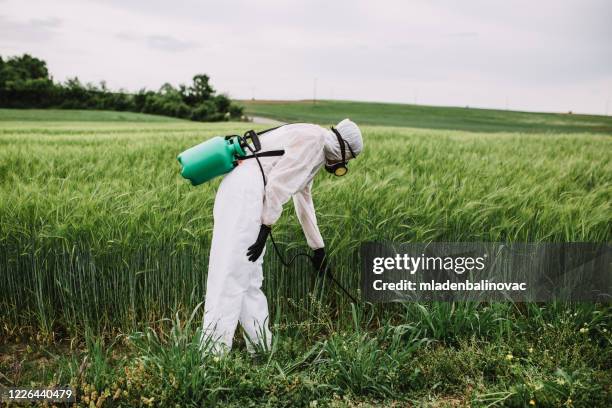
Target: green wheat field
104 251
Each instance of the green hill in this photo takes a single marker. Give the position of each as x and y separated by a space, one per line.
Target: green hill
69 115
430 117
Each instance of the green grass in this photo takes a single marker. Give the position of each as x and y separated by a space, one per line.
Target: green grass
103 255
428 117
539 354
71 115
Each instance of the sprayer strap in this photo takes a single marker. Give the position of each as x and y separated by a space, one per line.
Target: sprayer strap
269 130
269 153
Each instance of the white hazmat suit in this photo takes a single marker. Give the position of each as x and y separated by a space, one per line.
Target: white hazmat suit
242 205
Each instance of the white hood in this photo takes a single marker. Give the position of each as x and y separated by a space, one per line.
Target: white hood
350 133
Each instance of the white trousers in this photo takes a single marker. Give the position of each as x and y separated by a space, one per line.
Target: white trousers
233 287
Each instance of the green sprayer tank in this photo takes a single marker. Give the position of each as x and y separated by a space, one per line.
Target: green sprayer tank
210 159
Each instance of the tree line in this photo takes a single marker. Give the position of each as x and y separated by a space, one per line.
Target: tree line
25 82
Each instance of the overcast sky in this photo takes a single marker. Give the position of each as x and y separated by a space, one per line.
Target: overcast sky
527 55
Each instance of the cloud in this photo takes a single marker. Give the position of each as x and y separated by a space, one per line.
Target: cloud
168 43
158 42
463 34
33 30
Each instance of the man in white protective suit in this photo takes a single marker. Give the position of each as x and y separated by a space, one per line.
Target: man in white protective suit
244 212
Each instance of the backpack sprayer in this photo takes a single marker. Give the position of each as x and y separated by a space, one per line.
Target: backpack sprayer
220 155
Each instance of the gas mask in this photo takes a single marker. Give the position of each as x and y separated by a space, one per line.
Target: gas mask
339 169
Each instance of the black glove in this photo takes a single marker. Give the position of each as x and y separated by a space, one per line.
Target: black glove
255 250
319 261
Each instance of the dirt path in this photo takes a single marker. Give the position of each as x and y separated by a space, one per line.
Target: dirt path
265 121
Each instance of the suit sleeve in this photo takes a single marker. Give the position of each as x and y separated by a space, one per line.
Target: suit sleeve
304 208
290 174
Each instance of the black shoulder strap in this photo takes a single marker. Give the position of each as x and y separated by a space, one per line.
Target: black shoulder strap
271 129
269 153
